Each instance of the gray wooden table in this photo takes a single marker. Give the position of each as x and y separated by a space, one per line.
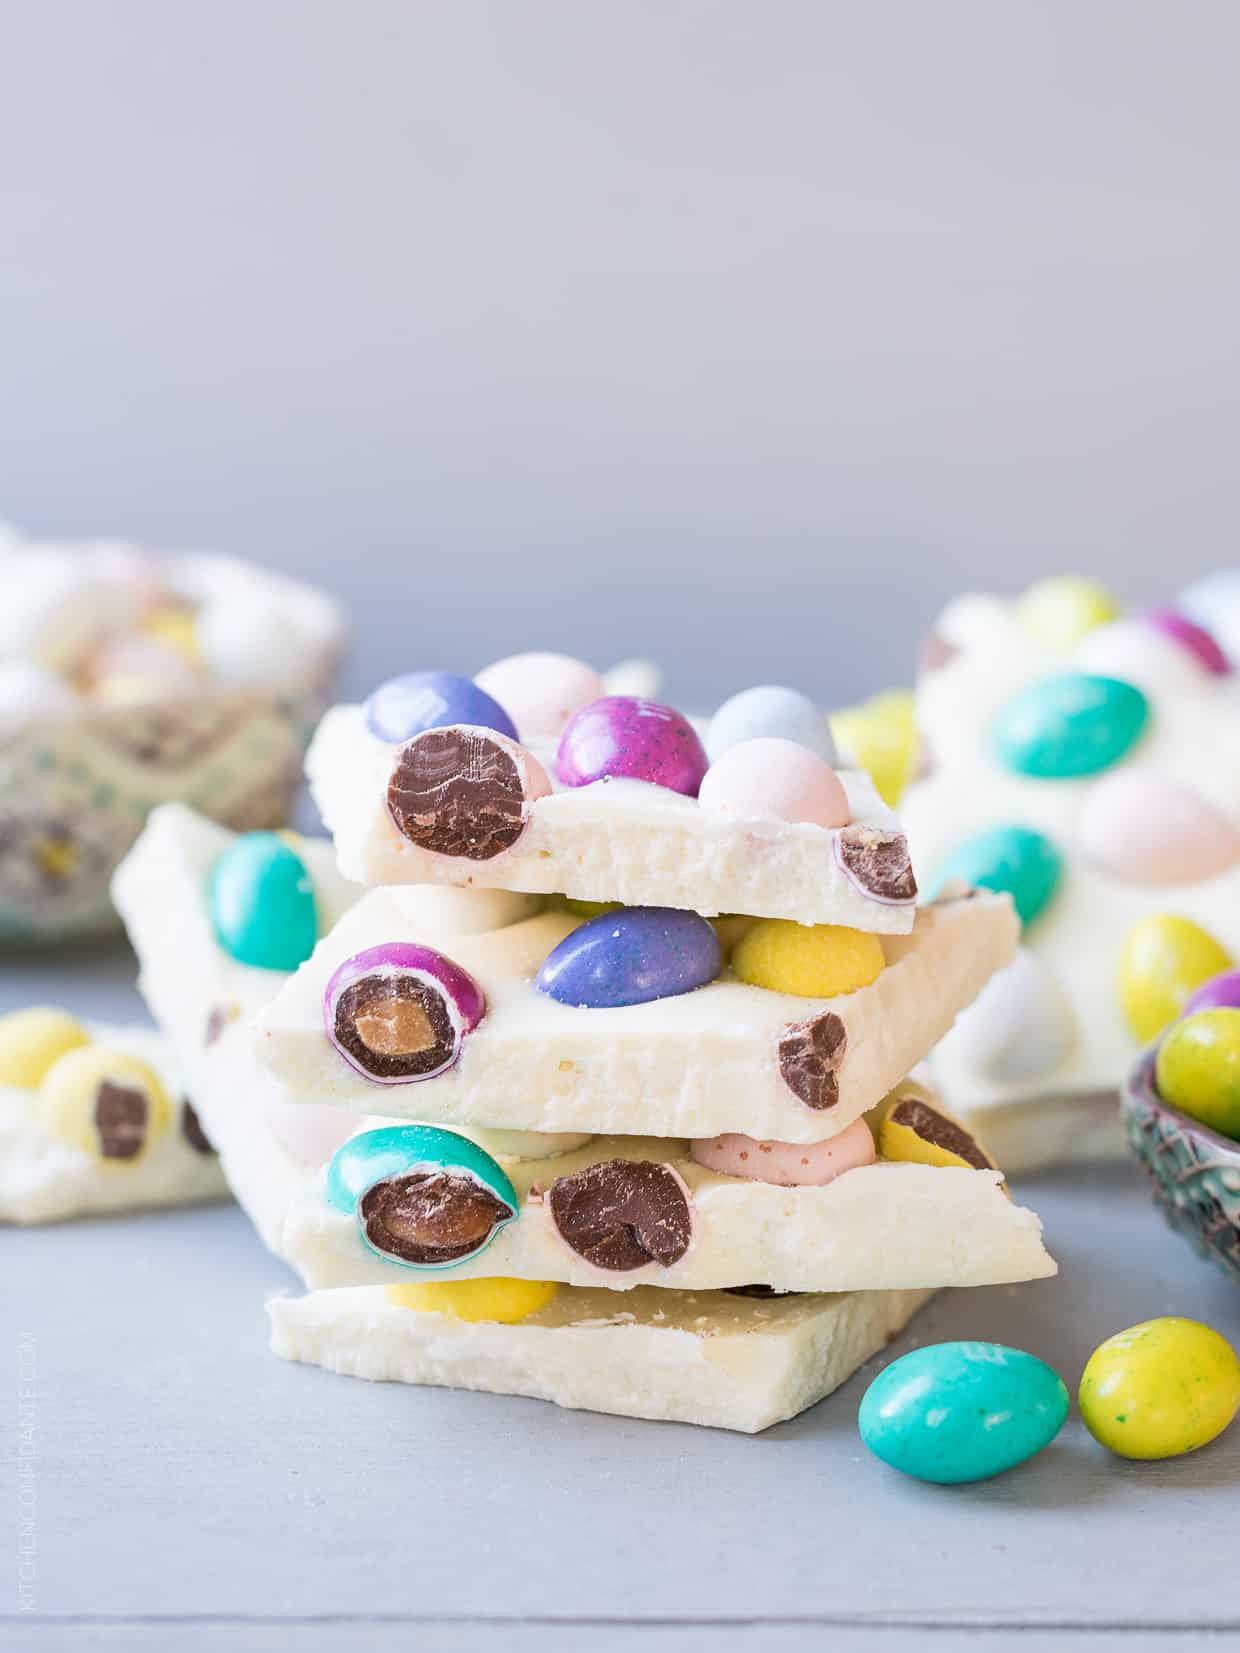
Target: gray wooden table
194 1492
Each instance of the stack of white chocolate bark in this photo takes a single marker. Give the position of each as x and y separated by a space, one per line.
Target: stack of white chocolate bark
532 1117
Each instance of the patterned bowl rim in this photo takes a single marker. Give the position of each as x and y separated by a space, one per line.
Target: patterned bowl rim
1138 1090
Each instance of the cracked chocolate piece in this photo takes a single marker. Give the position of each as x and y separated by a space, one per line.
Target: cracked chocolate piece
621 1214
878 863
430 1217
810 1055
460 791
121 1114
937 1130
192 1131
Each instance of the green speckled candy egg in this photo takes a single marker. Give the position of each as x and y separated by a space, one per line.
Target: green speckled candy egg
1012 859
261 903
1161 1388
1164 958
1064 727
1198 1069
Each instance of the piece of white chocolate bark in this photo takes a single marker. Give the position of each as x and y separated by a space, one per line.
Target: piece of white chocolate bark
708 1358
627 841
727 1057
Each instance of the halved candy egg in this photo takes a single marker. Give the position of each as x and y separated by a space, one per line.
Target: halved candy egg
464 791
915 1127
421 1196
407 706
621 1214
110 1104
619 737
261 902
399 1012
631 956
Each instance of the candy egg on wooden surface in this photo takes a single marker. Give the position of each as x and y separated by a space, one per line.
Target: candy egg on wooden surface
620 738
505 1302
261 902
957 1412
770 710
1012 860
787 1164
464 791
1214 603
1194 639
1160 1389
1146 828
540 692
1221 992
776 780
631 956
1021 1026
1164 958
399 1012
1198 1068
1060 610
1061 728
32 1040
407 706
107 1102
815 961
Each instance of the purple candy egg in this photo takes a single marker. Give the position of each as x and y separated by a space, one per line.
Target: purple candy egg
1192 637
398 1012
1219 993
622 738
407 706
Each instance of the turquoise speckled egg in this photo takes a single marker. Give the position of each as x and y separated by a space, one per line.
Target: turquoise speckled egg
962 1411
1012 859
261 902
1065 727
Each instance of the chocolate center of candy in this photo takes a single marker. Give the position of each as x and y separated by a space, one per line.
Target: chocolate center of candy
430 1216
878 862
192 1131
939 1131
120 1120
457 792
622 1214
810 1054
395 1026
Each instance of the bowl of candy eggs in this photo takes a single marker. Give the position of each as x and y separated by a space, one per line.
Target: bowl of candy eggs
1181 1111
130 679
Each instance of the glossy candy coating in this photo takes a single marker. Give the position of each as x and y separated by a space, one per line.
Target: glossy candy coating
407 706
1164 958
110 1104
915 1128
1221 992
399 1012
880 736
770 710
540 692
631 956
815 961
32 1040
770 779
1060 610
1198 1069
1021 1025
1160 1389
506 1302
261 902
787 1164
1013 860
621 738
956 1412
1064 727
1148 829
1193 638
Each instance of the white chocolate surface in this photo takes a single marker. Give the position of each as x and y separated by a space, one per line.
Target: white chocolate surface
725 1362
614 841
697 1064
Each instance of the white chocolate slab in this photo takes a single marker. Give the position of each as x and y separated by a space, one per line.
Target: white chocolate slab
619 840
694 1065
725 1362
44 1179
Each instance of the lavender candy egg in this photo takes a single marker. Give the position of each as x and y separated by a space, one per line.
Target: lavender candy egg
399 1013
770 710
1221 992
631 956
1193 638
407 706
623 738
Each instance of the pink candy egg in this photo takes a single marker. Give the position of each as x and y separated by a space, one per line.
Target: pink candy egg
1194 638
1142 827
788 1164
540 692
775 780
309 1131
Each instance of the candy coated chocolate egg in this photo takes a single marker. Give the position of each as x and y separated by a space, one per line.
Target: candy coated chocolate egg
464 791
631 956
1059 611
957 1412
505 1302
108 1103
261 903
1194 639
1221 992
914 1127
309 1132
1145 828
1065 727
1012 860
815 961
1198 1069
770 710
400 1012
1160 1389
1020 1026
32 1040
407 706
787 1164
770 779
540 692
880 736
1164 958
1214 603
619 738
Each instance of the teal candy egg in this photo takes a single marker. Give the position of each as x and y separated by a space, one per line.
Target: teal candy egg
1012 859
962 1411
1065 727
261 903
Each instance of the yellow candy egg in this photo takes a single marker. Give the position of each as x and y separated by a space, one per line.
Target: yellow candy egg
1164 958
816 961
1061 610
880 736
176 629
914 1126
506 1301
31 1040
1159 1389
108 1103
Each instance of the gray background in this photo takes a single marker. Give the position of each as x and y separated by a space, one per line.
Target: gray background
740 333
